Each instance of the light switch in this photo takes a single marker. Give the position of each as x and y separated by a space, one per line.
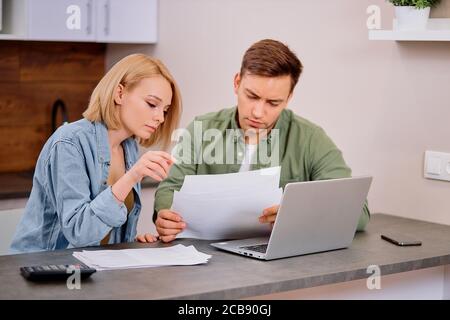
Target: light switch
437 165
434 165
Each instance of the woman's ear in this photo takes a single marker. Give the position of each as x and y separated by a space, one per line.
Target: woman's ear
118 95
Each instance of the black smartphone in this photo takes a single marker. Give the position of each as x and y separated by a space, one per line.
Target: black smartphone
401 240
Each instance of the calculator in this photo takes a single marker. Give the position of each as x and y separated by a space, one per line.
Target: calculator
55 272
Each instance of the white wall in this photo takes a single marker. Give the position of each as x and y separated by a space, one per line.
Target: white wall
384 103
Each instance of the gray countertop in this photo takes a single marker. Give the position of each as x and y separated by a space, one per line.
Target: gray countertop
229 276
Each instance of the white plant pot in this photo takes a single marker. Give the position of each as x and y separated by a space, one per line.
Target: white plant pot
410 18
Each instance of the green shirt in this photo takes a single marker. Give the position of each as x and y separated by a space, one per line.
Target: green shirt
303 150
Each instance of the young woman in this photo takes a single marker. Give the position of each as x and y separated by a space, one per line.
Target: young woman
86 185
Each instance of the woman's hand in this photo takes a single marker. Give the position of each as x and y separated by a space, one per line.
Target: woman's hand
154 164
146 238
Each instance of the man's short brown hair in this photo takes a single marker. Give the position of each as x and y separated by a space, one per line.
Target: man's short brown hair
271 58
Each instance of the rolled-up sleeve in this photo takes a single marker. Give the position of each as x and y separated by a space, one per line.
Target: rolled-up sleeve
84 221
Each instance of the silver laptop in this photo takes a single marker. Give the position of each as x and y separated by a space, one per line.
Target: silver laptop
314 216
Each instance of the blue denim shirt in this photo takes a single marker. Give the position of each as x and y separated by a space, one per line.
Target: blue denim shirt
70 204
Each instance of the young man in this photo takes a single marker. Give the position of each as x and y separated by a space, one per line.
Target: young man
264 87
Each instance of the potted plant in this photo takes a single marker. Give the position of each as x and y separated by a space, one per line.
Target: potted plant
412 14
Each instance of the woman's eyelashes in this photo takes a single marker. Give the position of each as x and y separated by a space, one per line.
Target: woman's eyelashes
151 105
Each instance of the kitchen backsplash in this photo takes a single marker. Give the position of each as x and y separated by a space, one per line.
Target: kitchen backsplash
33 75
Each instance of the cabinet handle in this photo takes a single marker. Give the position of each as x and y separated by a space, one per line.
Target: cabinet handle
107 16
89 17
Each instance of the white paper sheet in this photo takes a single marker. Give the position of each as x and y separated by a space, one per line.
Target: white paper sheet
141 258
227 206
267 178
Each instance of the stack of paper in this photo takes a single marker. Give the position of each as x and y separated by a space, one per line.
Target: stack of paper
141 258
227 206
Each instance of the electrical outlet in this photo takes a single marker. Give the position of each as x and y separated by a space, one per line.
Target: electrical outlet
437 165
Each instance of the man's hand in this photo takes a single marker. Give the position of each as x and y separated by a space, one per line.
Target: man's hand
269 215
169 224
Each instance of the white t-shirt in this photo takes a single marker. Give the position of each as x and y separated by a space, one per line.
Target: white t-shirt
250 150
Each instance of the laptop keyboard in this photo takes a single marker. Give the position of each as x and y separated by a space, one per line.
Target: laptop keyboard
258 248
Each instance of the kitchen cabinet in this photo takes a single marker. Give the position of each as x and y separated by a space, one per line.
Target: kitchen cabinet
108 21
126 21
61 20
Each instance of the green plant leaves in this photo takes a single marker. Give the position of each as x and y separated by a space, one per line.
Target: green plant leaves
419 4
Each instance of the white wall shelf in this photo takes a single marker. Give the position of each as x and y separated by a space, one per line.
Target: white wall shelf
437 30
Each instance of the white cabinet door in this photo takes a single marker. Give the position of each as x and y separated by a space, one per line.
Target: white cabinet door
61 20
131 21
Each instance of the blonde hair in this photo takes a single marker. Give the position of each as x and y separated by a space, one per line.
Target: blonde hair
128 72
